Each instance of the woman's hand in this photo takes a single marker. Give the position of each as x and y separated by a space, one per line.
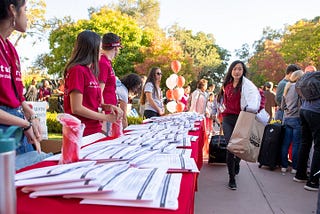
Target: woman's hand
161 112
113 109
36 127
111 117
29 133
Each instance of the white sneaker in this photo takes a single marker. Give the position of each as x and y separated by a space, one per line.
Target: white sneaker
293 171
283 170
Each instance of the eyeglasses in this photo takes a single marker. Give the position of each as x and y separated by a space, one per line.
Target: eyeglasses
159 74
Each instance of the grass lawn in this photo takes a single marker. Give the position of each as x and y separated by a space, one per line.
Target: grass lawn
54 136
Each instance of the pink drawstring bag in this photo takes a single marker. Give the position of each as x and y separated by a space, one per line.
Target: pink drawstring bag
72 131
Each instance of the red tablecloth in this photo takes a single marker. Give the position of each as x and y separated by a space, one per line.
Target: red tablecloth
54 205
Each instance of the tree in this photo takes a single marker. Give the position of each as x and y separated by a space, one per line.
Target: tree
267 65
301 42
145 12
161 52
208 59
62 38
266 62
37 25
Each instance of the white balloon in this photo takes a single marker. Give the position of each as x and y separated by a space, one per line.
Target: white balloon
171 83
174 77
181 93
171 106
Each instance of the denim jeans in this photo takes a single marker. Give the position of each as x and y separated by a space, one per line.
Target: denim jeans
25 153
228 125
310 131
279 115
292 135
24 145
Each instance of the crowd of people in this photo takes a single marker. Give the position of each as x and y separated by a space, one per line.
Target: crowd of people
92 92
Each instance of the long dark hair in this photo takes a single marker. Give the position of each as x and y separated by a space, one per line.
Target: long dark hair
151 78
4 7
228 78
85 52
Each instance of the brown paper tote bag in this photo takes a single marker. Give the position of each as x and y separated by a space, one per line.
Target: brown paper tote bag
245 141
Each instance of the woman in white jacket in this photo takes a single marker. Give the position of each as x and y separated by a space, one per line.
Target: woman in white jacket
239 94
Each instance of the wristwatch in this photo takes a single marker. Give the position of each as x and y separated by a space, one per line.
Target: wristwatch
34 116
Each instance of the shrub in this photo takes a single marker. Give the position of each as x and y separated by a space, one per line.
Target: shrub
134 120
54 126
53 104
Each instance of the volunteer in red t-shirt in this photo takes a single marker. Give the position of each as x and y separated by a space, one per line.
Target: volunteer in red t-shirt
82 97
13 108
107 78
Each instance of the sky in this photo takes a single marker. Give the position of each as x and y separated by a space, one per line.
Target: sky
232 22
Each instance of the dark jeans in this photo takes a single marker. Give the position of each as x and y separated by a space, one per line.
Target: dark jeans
148 113
228 125
310 131
292 135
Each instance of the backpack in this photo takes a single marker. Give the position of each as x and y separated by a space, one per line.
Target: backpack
308 86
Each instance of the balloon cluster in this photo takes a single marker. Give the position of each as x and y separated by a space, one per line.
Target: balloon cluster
175 91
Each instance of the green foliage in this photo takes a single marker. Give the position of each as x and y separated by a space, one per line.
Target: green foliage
208 59
54 126
301 43
103 21
134 120
53 104
298 43
146 12
37 25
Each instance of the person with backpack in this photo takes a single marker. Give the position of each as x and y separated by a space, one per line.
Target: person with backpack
308 88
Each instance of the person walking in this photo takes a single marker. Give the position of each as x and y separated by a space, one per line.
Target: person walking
270 100
239 94
82 97
152 95
14 110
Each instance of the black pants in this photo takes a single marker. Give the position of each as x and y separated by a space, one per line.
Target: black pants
148 113
310 132
228 125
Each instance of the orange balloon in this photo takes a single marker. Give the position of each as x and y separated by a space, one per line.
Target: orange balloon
181 81
175 66
176 94
180 107
169 94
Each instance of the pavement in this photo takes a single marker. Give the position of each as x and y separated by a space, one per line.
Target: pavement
259 191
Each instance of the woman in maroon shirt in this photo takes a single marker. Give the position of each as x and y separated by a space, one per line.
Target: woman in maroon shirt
82 97
14 110
233 88
110 48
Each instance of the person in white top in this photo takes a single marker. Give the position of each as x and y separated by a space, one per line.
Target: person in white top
199 97
152 95
127 88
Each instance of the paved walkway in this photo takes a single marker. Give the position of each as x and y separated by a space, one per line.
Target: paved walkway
259 191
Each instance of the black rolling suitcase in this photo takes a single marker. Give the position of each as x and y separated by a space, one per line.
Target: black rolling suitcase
217 149
270 151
